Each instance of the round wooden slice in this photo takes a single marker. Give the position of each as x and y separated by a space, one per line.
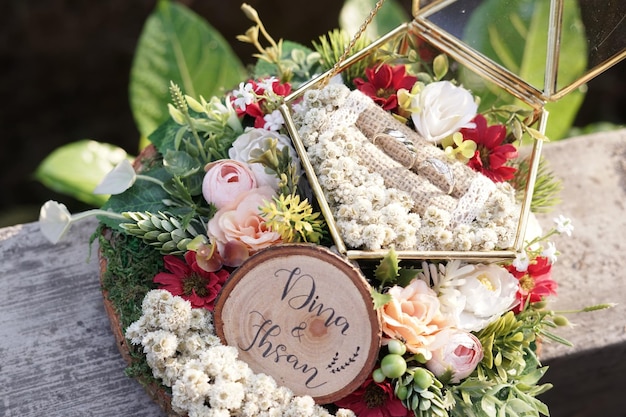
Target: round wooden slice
303 315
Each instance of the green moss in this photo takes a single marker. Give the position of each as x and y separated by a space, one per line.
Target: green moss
131 266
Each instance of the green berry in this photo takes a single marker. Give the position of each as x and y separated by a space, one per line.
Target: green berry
393 366
422 378
402 392
397 347
561 321
378 376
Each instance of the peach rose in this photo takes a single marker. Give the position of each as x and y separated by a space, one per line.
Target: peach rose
225 180
460 354
413 315
240 222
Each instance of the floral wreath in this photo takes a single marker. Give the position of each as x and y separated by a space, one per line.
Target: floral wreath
225 182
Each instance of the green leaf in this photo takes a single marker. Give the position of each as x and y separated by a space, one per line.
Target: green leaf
379 299
76 168
142 196
524 27
177 45
387 269
180 163
389 17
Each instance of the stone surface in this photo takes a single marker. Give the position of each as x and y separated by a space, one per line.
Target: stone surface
588 378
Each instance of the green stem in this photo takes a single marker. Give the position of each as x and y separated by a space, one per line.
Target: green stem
151 179
97 212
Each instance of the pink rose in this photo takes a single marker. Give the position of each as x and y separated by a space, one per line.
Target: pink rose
225 180
460 354
241 222
414 315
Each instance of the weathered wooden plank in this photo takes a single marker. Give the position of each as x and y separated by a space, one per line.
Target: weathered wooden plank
58 354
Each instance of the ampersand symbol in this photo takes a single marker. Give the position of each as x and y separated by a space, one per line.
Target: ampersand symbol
298 331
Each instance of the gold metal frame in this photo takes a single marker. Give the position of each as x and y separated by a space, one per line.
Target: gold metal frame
497 73
416 255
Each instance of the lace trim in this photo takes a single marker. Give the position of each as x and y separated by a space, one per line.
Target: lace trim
472 203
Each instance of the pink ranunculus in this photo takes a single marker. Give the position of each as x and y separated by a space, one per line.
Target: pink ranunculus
460 354
414 315
225 180
240 221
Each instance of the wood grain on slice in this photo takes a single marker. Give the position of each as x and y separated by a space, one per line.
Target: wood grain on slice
303 315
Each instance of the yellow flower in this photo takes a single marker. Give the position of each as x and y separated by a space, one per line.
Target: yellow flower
457 148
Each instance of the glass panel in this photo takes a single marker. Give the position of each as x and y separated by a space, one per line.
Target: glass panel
514 34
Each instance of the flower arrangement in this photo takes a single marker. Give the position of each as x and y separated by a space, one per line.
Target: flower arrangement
224 181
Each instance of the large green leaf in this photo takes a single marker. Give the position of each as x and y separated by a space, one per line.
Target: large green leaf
177 45
515 35
76 168
354 12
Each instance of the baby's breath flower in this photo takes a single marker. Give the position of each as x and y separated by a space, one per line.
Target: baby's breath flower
564 225
550 252
273 121
244 95
521 261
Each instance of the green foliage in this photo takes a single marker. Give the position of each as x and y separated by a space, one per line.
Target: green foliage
331 48
524 26
379 299
177 45
354 13
387 270
301 62
76 168
547 186
423 401
164 232
505 383
147 197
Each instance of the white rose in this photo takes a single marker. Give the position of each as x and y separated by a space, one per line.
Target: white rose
441 109
256 139
489 292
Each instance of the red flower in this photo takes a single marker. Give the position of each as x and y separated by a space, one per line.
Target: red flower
535 283
383 83
262 92
187 280
491 153
373 399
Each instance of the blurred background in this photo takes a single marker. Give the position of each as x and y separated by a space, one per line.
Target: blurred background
64 71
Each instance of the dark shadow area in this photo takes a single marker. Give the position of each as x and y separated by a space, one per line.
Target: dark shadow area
587 384
64 68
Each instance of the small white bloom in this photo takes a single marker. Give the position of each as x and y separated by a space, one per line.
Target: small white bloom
54 220
521 261
226 394
564 225
267 84
244 96
550 252
273 121
120 179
